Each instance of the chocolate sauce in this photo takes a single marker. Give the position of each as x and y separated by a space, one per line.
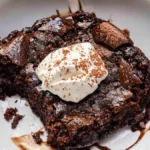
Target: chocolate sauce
80 5
26 142
19 140
101 147
97 146
58 13
106 148
70 11
139 138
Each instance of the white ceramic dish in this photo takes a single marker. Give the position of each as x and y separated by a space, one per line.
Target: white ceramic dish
16 14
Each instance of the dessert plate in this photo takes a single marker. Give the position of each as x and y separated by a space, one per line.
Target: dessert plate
16 14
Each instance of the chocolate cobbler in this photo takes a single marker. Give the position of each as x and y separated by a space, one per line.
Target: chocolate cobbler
81 75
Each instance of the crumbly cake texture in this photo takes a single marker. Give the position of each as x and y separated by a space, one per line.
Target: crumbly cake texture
37 137
16 120
10 113
119 100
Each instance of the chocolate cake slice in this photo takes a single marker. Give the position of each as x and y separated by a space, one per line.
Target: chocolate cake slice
118 100
13 57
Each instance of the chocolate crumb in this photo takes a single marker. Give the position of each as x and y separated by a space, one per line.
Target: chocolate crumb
9 113
16 101
37 138
16 120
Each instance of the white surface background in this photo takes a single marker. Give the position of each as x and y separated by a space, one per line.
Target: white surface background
131 14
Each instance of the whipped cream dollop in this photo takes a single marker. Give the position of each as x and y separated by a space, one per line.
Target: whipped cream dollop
72 72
